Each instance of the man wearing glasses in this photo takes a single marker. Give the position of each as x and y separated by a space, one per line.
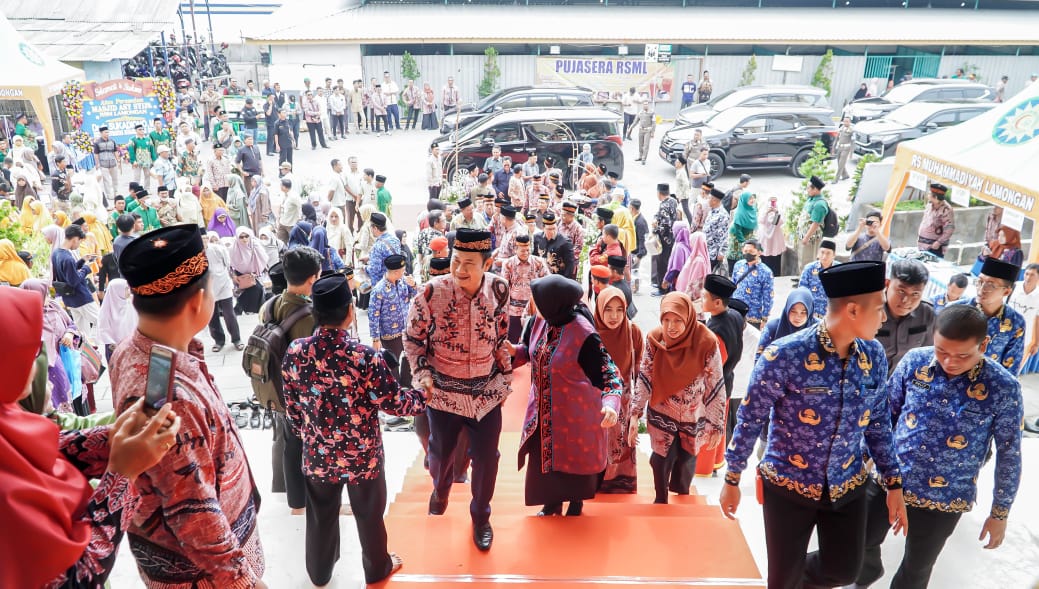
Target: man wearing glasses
1006 327
910 318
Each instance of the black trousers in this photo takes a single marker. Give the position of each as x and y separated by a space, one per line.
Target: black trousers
515 328
928 531
629 120
285 154
395 346
318 131
225 309
788 528
673 472
270 136
412 117
368 502
434 192
660 263
444 428
460 464
339 125
287 463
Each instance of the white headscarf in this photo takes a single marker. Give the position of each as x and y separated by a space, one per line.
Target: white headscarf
118 318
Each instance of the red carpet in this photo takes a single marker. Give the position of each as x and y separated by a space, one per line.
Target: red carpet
620 541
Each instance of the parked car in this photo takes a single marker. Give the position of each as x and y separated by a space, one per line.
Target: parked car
916 119
516 97
558 132
757 137
775 95
922 90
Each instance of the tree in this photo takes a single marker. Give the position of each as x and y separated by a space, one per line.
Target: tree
750 72
817 165
409 68
824 73
491 72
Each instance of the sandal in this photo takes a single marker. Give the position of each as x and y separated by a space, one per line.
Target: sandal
397 563
239 346
216 348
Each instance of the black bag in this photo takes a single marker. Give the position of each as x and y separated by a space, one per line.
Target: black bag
831 225
262 357
62 289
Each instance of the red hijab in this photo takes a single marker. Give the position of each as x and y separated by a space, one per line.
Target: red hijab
42 496
1013 241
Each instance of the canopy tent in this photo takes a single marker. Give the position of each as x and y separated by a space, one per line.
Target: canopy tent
29 75
991 157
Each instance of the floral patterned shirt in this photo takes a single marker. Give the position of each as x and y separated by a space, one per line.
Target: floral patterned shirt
754 286
1006 332
665 218
334 390
810 280
716 230
388 308
519 275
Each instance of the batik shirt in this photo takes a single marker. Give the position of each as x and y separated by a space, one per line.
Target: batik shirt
822 409
574 232
716 230
755 288
940 302
196 525
1006 332
810 280
943 429
334 389
141 151
459 341
519 275
666 216
385 245
507 241
189 165
388 308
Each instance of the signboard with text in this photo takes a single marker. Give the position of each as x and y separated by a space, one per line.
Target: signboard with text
608 77
120 105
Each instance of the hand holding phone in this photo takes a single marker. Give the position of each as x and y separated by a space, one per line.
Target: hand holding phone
159 387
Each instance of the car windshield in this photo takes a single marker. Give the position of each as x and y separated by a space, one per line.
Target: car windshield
904 94
486 102
909 115
725 100
726 119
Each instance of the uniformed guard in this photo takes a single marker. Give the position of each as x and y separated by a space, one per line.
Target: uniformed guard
1006 327
910 318
948 402
824 387
647 124
845 147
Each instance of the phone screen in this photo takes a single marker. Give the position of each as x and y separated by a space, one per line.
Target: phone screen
159 367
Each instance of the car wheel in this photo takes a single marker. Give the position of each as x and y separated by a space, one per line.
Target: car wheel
798 161
717 164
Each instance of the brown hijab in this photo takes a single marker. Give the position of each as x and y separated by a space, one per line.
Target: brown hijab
677 361
624 342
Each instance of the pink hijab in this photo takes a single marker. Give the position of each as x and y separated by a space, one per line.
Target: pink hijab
697 266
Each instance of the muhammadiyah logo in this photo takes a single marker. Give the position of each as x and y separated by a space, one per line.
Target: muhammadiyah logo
30 53
1020 124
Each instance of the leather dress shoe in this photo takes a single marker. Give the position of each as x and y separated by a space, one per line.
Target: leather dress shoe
483 535
437 506
551 509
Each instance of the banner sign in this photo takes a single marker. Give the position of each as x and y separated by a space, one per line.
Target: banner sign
121 105
984 187
608 77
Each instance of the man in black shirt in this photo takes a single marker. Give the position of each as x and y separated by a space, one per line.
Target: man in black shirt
283 139
727 324
249 115
61 187
249 162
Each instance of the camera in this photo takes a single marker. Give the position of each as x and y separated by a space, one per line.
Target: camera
870 222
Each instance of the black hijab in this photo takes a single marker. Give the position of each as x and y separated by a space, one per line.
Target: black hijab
861 93
558 299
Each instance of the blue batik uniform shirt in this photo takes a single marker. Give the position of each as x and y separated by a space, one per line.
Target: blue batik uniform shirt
388 309
385 245
822 409
810 280
943 428
1006 332
755 289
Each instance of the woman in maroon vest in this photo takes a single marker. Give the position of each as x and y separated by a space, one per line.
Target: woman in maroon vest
575 393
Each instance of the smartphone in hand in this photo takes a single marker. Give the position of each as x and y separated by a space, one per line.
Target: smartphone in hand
159 388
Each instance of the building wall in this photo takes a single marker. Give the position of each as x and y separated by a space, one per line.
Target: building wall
992 67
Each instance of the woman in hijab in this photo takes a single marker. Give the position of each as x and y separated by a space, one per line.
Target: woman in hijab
300 235
339 237
189 209
61 219
405 250
429 108
67 532
623 341
210 202
697 267
221 224
259 205
58 329
744 222
309 213
22 187
574 386
797 315
365 239
622 219
680 378
679 254
1005 247
54 235
237 201
30 166
13 270
222 287
118 318
772 239
101 233
271 245
248 262
861 93
330 259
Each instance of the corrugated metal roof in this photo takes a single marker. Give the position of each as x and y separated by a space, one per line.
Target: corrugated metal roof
410 23
98 30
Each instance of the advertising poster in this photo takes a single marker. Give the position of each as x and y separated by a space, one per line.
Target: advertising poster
609 76
121 105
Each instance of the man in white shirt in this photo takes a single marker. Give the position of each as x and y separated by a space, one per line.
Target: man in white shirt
631 103
337 186
354 193
391 93
450 96
434 171
337 106
184 132
322 104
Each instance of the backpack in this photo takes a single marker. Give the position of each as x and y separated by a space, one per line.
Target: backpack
831 225
262 357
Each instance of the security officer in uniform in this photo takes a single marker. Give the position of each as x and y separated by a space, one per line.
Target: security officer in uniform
941 446
845 146
825 389
646 121
910 318
1006 327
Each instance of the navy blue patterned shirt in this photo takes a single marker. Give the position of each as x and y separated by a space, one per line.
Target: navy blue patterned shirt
1006 332
755 289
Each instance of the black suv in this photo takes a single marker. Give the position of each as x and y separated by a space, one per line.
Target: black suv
921 90
916 119
558 132
516 97
757 137
774 95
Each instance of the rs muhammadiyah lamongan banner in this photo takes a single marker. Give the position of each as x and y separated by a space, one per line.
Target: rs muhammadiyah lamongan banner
608 77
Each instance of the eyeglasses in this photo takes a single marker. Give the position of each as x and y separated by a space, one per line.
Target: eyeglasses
987 285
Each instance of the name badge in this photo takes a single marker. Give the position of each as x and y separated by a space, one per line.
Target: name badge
815 390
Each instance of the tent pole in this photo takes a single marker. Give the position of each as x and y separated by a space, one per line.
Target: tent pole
891 201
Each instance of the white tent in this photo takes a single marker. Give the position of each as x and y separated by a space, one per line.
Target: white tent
29 75
991 157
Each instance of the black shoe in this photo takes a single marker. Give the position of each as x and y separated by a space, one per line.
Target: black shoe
483 535
268 420
254 420
437 506
551 509
574 508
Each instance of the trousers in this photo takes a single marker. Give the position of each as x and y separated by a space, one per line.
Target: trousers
317 134
392 117
673 472
843 156
143 177
368 501
110 178
645 136
412 117
287 463
444 428
660 263
224 308
87 319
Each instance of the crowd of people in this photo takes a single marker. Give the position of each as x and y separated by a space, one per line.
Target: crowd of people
513 273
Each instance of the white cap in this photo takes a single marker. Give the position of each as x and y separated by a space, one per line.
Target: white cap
163 148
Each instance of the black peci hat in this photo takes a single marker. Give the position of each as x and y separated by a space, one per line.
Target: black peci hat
164 261
719 286
549 218
472 240
439 266
617 262
604 213
664 188
853 278
331 293
817 183
378 220
393 262
509 212
994 268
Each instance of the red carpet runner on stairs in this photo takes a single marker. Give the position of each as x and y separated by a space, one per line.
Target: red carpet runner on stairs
621 540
